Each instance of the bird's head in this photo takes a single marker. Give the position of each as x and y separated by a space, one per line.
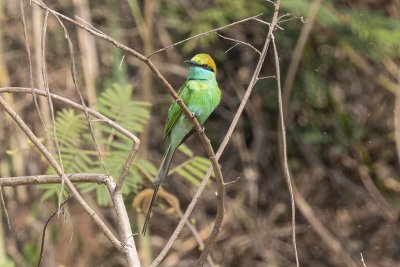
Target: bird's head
203 61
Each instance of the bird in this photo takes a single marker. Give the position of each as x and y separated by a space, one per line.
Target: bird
201 95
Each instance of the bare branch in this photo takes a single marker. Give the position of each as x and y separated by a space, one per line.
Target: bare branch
270 1
240 42
54 179
3 203
31 81
50 103
269 24
362 260
233 46
301 18
266 77
203 33
284 152
45 227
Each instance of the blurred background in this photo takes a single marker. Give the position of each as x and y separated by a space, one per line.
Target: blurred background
340 73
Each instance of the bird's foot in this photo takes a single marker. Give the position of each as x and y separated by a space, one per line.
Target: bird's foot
202 129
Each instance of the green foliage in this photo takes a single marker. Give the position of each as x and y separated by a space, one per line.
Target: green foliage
77 156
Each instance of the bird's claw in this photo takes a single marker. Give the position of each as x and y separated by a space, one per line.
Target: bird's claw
202 129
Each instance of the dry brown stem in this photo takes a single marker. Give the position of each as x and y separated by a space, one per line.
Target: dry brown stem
284 150
45 227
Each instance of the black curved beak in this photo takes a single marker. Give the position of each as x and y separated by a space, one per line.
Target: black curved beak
191 63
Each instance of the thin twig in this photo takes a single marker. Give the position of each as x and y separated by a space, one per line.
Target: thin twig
240 42
270 1
203 33
31 81
266 77
269 24
301 18
284 152
232 182
50 103
362 260
89 25
3 203
230 48
225 141
45 227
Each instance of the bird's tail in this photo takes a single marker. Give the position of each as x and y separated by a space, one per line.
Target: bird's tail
162 174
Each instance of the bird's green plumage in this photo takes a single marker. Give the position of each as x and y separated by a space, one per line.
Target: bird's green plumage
201 95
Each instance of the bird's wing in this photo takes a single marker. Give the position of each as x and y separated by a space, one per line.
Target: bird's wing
175 111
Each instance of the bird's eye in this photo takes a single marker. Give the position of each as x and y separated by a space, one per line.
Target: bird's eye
205 65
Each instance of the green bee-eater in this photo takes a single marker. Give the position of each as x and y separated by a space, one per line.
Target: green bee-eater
201 95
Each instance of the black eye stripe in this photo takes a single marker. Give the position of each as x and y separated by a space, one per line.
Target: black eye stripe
206 67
